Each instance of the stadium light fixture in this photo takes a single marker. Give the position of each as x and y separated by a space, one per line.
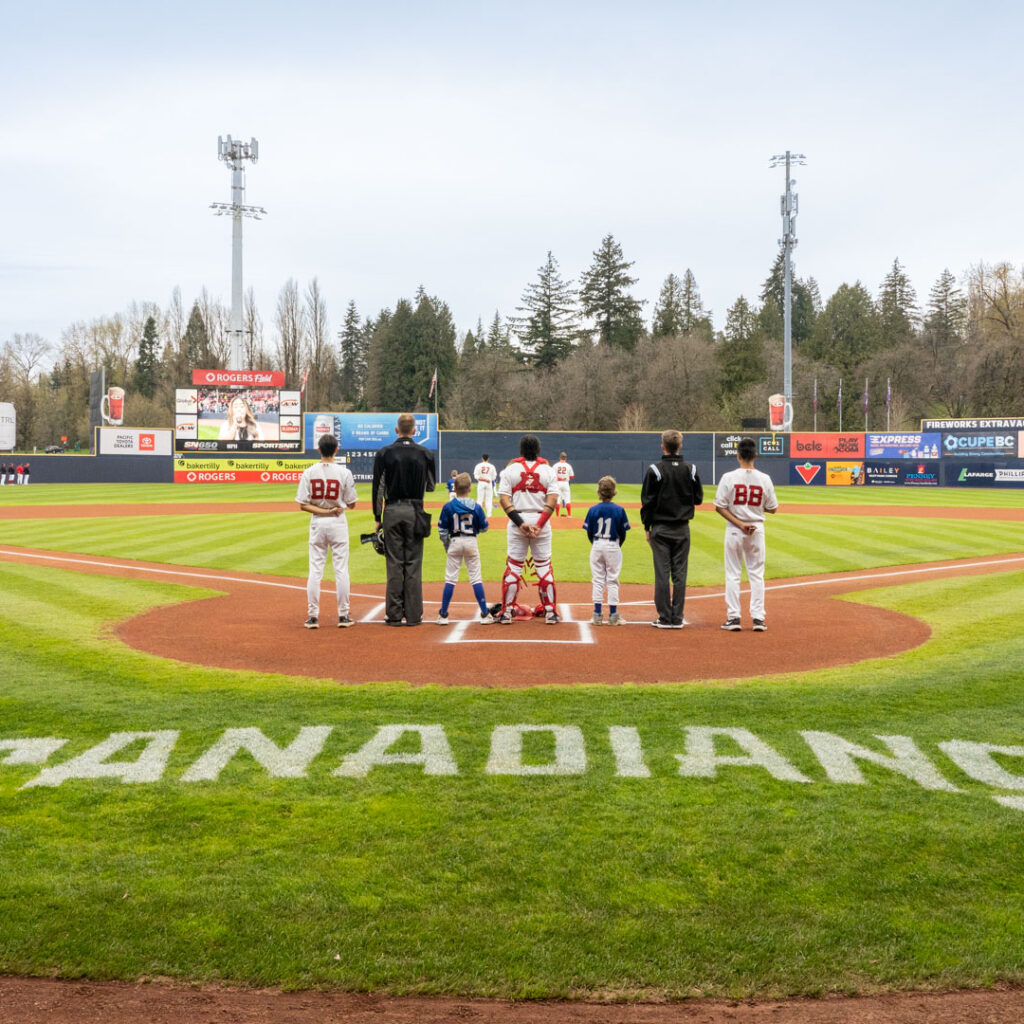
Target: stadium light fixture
234 153
790 206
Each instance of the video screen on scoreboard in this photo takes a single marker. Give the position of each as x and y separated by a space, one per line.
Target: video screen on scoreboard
224 419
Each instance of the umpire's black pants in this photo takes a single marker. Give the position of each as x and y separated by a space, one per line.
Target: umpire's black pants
670 547
403 596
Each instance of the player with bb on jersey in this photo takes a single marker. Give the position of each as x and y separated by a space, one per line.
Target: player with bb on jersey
326 489
742 498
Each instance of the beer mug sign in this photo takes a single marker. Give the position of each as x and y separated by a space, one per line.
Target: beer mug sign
112 407
780 413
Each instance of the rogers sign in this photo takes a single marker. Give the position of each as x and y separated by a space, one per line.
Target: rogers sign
249 378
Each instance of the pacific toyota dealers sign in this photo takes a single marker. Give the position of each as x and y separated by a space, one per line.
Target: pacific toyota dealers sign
239 378
133 441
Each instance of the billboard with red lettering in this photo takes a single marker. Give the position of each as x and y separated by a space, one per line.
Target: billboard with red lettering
826 446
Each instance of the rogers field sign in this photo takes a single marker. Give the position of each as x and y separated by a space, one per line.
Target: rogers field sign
247 378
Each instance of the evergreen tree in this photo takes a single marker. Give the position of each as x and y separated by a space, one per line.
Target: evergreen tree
550 325
695 318
497 334
667 321
146 366
773 303
196 342
897 307
604 296
350 346
848 330
944 338
740 356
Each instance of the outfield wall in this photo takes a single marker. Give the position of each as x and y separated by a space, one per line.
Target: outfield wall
959 458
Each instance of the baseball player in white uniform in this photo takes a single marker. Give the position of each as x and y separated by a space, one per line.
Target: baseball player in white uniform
528 494
742 498
326 489
563 474
485 476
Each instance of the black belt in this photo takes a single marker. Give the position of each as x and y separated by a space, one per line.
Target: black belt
405 501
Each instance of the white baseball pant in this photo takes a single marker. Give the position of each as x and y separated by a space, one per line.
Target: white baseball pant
485 496
605 566
564 494
463 549
741 547
327 533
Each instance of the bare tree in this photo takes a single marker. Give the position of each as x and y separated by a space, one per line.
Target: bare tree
26 353
319 354
252 324
291 330
216 318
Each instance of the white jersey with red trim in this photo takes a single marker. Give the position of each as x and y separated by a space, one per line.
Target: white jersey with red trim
528 484
746 493
563 472
485 472
327 484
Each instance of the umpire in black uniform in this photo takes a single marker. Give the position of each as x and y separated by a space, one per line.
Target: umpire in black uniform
670 493
401 473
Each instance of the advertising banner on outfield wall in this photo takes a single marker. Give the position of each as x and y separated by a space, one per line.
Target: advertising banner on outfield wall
980 444
1010 423
767 444
239 471
8 427
826 446
133 441
810 473
904 446
902 473
844 474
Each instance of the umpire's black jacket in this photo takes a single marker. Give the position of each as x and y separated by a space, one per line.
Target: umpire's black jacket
671 491
401 472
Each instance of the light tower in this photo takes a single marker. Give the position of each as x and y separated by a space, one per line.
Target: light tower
790 207
234 154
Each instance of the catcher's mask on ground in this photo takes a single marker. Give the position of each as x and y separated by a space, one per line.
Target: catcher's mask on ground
376 539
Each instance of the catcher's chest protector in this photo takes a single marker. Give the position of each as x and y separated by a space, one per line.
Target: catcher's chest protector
530 480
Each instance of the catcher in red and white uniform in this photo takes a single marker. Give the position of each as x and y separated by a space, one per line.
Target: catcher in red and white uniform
485 475
742 498
326 489
563 474
528 494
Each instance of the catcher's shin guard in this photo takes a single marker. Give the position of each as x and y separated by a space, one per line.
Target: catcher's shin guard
546 585
510 583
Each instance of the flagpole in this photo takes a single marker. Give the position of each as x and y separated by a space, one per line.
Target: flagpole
839 403
815 404
865 405
888 401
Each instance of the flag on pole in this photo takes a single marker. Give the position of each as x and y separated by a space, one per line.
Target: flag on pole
305 374
839 400
815 394
433 384
888 392
865 396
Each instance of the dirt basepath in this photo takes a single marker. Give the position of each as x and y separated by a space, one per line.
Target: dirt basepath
43 1001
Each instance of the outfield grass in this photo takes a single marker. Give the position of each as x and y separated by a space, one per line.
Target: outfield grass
583 494
275 543
505 885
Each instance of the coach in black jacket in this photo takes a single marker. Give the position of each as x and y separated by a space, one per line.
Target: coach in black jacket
671 491
401 473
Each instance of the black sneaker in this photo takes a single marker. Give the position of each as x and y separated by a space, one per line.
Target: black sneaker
344 622
759 626
733 625
311 623
658 624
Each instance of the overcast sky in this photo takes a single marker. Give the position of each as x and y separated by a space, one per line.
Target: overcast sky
453 144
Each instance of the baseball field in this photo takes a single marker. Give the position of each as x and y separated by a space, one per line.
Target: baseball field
195 788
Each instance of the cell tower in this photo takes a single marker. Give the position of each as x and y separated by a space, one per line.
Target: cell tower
234 154
790 208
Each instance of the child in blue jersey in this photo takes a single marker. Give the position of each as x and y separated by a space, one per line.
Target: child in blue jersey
450 484
606 525
461 520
